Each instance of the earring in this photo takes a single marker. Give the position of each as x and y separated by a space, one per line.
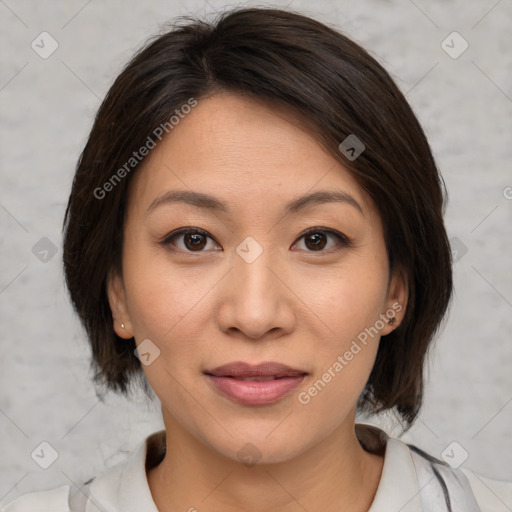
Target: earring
122 326
392 320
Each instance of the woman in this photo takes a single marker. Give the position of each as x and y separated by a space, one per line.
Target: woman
255 234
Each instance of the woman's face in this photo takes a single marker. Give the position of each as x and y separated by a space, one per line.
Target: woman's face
253 287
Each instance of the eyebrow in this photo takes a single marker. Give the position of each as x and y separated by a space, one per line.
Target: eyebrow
209 202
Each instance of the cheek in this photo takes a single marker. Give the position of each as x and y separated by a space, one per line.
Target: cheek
156 299
345 304
346 300
349 311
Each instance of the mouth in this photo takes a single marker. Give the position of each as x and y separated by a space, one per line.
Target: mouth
260 384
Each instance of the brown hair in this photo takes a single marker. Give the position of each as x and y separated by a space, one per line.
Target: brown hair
338 89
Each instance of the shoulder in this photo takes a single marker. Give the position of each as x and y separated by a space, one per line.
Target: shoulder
59 499
56 500
492 495
415 480
117 488
460 488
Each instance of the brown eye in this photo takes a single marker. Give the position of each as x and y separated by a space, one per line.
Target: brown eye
193 240
196 240
316 240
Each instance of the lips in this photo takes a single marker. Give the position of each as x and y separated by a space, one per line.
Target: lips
263 371
260 384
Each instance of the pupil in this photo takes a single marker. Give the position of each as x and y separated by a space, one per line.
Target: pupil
316 241
195 238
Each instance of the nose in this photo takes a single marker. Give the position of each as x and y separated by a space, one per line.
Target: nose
255 300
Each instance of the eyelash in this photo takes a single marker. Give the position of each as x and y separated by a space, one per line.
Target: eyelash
343 241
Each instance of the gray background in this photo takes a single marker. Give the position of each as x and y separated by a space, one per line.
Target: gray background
47 107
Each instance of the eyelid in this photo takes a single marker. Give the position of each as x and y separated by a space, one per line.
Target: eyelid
166 240
343 239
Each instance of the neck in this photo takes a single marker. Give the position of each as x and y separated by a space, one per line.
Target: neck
336 474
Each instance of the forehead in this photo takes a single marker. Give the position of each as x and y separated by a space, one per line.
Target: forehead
243 151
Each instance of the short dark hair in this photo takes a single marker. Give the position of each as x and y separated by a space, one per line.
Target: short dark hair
285 59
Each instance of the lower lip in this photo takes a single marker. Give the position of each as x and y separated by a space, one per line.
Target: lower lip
251 392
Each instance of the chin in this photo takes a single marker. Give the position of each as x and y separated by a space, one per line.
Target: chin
260 449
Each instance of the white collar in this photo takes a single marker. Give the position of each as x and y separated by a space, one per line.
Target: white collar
398 487
124 487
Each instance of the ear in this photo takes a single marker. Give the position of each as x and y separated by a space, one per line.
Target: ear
117 300
398 294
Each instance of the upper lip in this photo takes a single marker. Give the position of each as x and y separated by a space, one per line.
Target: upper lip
240 369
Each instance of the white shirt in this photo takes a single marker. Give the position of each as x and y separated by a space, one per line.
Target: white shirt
408 483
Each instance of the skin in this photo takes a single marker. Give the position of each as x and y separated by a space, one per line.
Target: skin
293 304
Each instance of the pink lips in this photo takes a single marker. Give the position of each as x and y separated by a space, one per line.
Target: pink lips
262 384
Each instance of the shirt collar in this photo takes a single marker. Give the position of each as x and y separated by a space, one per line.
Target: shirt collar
398 487
125 487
